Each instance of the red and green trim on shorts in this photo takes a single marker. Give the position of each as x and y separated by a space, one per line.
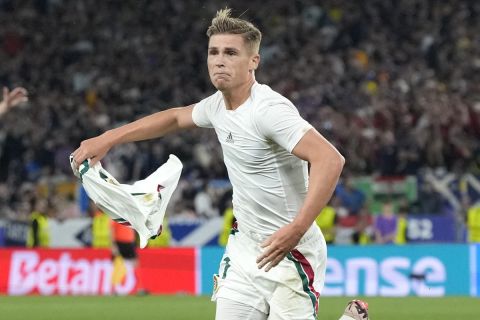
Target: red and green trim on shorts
307 276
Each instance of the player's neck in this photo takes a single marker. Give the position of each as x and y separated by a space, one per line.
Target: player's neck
236 97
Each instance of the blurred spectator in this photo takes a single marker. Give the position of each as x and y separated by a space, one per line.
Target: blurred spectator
393 84
386 225
402 224
350 197
39 233
229 226
473 223
203 203
124 245
5 209
350 213
364 231
226 207
326 221
101 230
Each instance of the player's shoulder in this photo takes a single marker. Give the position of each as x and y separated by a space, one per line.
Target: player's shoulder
265 97
213 101
262 93
216 97
268 101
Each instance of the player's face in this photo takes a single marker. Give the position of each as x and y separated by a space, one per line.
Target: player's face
230 62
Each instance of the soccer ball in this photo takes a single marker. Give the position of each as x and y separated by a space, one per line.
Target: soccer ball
356 310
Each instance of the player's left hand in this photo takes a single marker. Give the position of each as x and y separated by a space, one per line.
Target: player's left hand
278 245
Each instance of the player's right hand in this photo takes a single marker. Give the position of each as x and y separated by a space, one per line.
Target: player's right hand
94 149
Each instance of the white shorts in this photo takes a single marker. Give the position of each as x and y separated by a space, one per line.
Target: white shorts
288 291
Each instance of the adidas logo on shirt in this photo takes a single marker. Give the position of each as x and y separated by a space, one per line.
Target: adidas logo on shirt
229 138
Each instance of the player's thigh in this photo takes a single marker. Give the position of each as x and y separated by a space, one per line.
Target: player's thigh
289 304
235 280
296 295
233 310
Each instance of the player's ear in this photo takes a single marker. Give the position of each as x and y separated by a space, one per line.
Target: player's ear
254 62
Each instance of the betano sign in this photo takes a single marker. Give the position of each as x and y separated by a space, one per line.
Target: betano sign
89 272
29 273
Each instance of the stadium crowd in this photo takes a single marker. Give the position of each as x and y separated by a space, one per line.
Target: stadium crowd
394 84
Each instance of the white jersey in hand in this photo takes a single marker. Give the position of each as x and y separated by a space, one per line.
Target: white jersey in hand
140 205
269 182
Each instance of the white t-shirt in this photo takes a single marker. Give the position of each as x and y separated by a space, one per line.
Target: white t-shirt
269 182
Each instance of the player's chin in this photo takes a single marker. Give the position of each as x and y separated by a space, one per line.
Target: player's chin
220 85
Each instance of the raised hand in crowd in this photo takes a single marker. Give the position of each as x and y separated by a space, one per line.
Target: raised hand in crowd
12 98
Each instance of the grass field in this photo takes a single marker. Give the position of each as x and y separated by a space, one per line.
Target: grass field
200 308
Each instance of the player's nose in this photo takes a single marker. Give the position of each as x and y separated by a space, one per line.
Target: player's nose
219 61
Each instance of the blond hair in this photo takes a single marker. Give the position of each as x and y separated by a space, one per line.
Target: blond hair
223 23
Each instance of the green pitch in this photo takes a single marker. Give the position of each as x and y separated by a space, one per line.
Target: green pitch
200 308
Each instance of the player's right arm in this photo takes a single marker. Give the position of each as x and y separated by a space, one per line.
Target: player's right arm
153 126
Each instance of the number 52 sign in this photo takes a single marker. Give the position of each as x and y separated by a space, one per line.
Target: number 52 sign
430 228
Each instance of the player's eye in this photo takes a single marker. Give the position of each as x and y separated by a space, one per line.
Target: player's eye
212 52
231 52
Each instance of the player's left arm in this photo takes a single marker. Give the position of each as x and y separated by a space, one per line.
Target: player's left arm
326 165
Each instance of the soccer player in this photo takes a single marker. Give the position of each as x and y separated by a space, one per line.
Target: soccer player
274 263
